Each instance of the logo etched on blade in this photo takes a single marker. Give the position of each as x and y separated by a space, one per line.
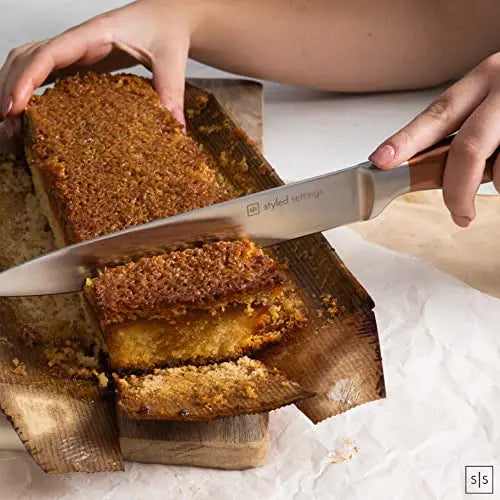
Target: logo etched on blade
253 209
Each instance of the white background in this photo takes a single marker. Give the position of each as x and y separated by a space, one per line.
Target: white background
440 339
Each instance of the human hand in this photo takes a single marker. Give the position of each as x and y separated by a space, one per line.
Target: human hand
471 106
155 33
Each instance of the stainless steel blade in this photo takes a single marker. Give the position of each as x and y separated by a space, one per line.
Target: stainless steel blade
268 217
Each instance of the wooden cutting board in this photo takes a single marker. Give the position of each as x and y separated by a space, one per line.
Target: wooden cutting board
228 443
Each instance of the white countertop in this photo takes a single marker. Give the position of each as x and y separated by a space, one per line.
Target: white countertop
443 388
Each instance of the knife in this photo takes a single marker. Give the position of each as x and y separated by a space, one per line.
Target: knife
268 217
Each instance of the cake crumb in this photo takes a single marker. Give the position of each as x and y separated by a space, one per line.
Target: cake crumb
331 304
224 159
264 169
19 368
101 378
243 165
202 100
250 392
347 452
209 129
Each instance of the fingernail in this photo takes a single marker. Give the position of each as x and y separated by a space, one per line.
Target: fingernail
383 155
6 109
460 220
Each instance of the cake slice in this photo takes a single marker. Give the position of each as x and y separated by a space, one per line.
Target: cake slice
206 392
106 155
199 305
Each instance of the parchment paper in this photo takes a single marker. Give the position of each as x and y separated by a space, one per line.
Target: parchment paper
440 344
419 224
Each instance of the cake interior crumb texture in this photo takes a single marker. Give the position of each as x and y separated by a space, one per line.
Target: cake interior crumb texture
56 323
206 392
198 305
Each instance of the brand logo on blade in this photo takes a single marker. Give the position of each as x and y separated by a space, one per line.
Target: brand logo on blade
253 209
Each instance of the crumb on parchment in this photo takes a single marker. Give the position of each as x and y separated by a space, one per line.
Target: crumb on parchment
347 452
19 368
101 378
209 129
331 305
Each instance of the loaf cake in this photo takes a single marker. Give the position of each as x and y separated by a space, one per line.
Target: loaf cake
106 155
206 392
198 305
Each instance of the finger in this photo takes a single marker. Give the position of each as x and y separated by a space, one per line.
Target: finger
5 71
12 126
59 52
475 142
15 53
6 144
496 174
91 57
441 118
17 125
169 74
16 68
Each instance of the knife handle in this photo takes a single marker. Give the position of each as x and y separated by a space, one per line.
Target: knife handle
427 168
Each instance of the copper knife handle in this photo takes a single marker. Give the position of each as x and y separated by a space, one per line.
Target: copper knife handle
427 167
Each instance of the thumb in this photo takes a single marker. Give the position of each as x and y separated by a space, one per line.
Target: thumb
169 73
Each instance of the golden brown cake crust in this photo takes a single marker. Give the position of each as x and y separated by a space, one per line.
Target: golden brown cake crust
206 392
111 156
158 287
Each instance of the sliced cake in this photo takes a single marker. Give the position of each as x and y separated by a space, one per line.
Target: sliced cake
206 392
106 155
198 305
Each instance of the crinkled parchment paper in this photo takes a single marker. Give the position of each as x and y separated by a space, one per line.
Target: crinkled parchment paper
440 344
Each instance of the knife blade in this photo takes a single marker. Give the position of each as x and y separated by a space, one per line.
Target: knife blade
268 217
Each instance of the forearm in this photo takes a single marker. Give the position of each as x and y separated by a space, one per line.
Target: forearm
347 45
